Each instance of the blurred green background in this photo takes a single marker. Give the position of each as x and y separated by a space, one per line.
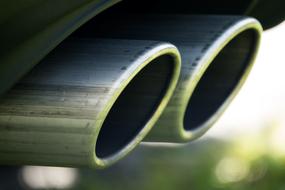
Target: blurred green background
244 150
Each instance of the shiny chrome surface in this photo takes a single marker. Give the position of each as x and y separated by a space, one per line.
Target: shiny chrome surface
217 55
89 103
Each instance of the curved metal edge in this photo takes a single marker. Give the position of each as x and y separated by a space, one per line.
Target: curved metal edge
146 58
212 52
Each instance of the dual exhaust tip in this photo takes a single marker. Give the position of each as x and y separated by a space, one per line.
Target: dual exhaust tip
151 78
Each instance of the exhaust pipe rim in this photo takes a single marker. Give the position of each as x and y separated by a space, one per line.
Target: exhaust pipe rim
211 53
130 73
191 34
72 136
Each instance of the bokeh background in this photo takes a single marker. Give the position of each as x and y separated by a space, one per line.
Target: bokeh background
244 150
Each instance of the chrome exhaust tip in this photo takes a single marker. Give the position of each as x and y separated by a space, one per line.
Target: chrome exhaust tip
88 103
217 55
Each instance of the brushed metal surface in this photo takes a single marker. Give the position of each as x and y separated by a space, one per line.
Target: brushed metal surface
88 103
217 55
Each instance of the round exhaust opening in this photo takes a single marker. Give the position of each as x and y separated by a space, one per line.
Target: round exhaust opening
219 80
135 106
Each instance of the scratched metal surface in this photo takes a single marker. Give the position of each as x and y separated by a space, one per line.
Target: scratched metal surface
217 54
89 103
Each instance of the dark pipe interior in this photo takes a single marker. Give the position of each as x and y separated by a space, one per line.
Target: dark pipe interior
135 106
220 79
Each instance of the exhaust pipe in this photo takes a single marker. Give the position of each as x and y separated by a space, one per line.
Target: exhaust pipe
217 55
89 103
